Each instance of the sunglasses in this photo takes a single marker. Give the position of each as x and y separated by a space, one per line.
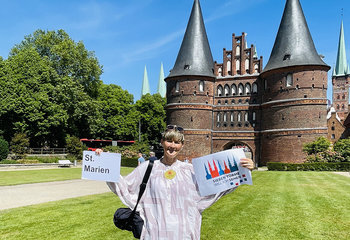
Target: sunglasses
175 128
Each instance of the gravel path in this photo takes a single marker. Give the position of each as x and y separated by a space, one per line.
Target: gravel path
29 194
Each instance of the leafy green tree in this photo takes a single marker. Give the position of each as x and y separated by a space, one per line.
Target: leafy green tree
342 146
48 87
4 148
151 109
321 144
68 58
19 145
118 118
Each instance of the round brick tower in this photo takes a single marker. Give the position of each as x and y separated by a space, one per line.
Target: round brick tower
294 102
190 88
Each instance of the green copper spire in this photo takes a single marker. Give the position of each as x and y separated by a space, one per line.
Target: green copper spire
341 65
145 84
161 83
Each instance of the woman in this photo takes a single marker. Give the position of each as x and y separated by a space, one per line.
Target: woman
171 205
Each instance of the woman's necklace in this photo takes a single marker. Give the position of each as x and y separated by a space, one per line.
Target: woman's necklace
169 174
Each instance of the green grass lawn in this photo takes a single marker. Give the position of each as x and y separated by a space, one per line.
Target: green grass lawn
44 175
280 205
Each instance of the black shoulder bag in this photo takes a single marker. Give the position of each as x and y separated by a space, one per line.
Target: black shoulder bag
130 220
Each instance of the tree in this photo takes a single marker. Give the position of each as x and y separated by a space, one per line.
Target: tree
48 87
321 144
19 144
117 119
342 146
151 109
4 149
68 58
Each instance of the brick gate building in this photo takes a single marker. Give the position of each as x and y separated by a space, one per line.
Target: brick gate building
270 112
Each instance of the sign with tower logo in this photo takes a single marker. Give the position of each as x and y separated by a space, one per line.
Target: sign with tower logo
220 171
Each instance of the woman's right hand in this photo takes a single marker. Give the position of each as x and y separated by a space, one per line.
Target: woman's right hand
98 151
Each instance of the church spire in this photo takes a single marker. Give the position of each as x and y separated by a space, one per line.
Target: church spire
341 67
161 83
293 45
145 83
194 57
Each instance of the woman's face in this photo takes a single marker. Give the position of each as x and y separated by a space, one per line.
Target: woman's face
171 148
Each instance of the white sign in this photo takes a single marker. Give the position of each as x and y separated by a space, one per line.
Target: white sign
220 171
103 167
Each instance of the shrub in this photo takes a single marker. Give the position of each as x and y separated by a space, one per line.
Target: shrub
74 147
19 145
316 166
321 144
4 149
342 146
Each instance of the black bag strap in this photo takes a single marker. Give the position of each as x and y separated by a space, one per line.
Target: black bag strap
144 183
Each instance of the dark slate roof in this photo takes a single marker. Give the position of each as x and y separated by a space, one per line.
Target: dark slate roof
194 57
293 45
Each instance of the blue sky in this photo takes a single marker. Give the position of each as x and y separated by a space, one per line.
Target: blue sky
127 35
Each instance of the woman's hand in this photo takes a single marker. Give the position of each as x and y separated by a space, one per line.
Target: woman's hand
98 151
247 163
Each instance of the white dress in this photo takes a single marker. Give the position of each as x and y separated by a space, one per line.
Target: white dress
171 209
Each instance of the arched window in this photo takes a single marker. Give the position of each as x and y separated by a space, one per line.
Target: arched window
239 117
255 88
225 117
246 117
342 106
233 89
289 80
240 89
343 96
218 117
338 97
228 66
201 86
256 68
247 65
238 51
238 65
219 90
227 90
254 116
337 106
247 88
220 72
177 87
232 118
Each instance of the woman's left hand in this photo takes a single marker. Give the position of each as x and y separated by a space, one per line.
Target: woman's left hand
247 163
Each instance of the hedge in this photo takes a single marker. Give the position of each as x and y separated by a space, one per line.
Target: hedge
129 162
319 166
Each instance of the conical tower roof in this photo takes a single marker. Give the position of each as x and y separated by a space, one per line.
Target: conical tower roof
145 83
293 45
341 66
161 82
194 57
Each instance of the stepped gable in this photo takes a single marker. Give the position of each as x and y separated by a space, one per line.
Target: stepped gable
293 45
194 57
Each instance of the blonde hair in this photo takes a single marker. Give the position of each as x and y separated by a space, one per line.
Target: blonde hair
173 135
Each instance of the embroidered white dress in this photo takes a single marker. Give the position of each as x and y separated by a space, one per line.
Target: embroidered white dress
170 208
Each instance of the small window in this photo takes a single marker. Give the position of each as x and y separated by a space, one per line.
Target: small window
289 80
333 128
333 136
227 90
219 90
286 57
177 87
239 117
201 86
187 67
254 116
255 88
